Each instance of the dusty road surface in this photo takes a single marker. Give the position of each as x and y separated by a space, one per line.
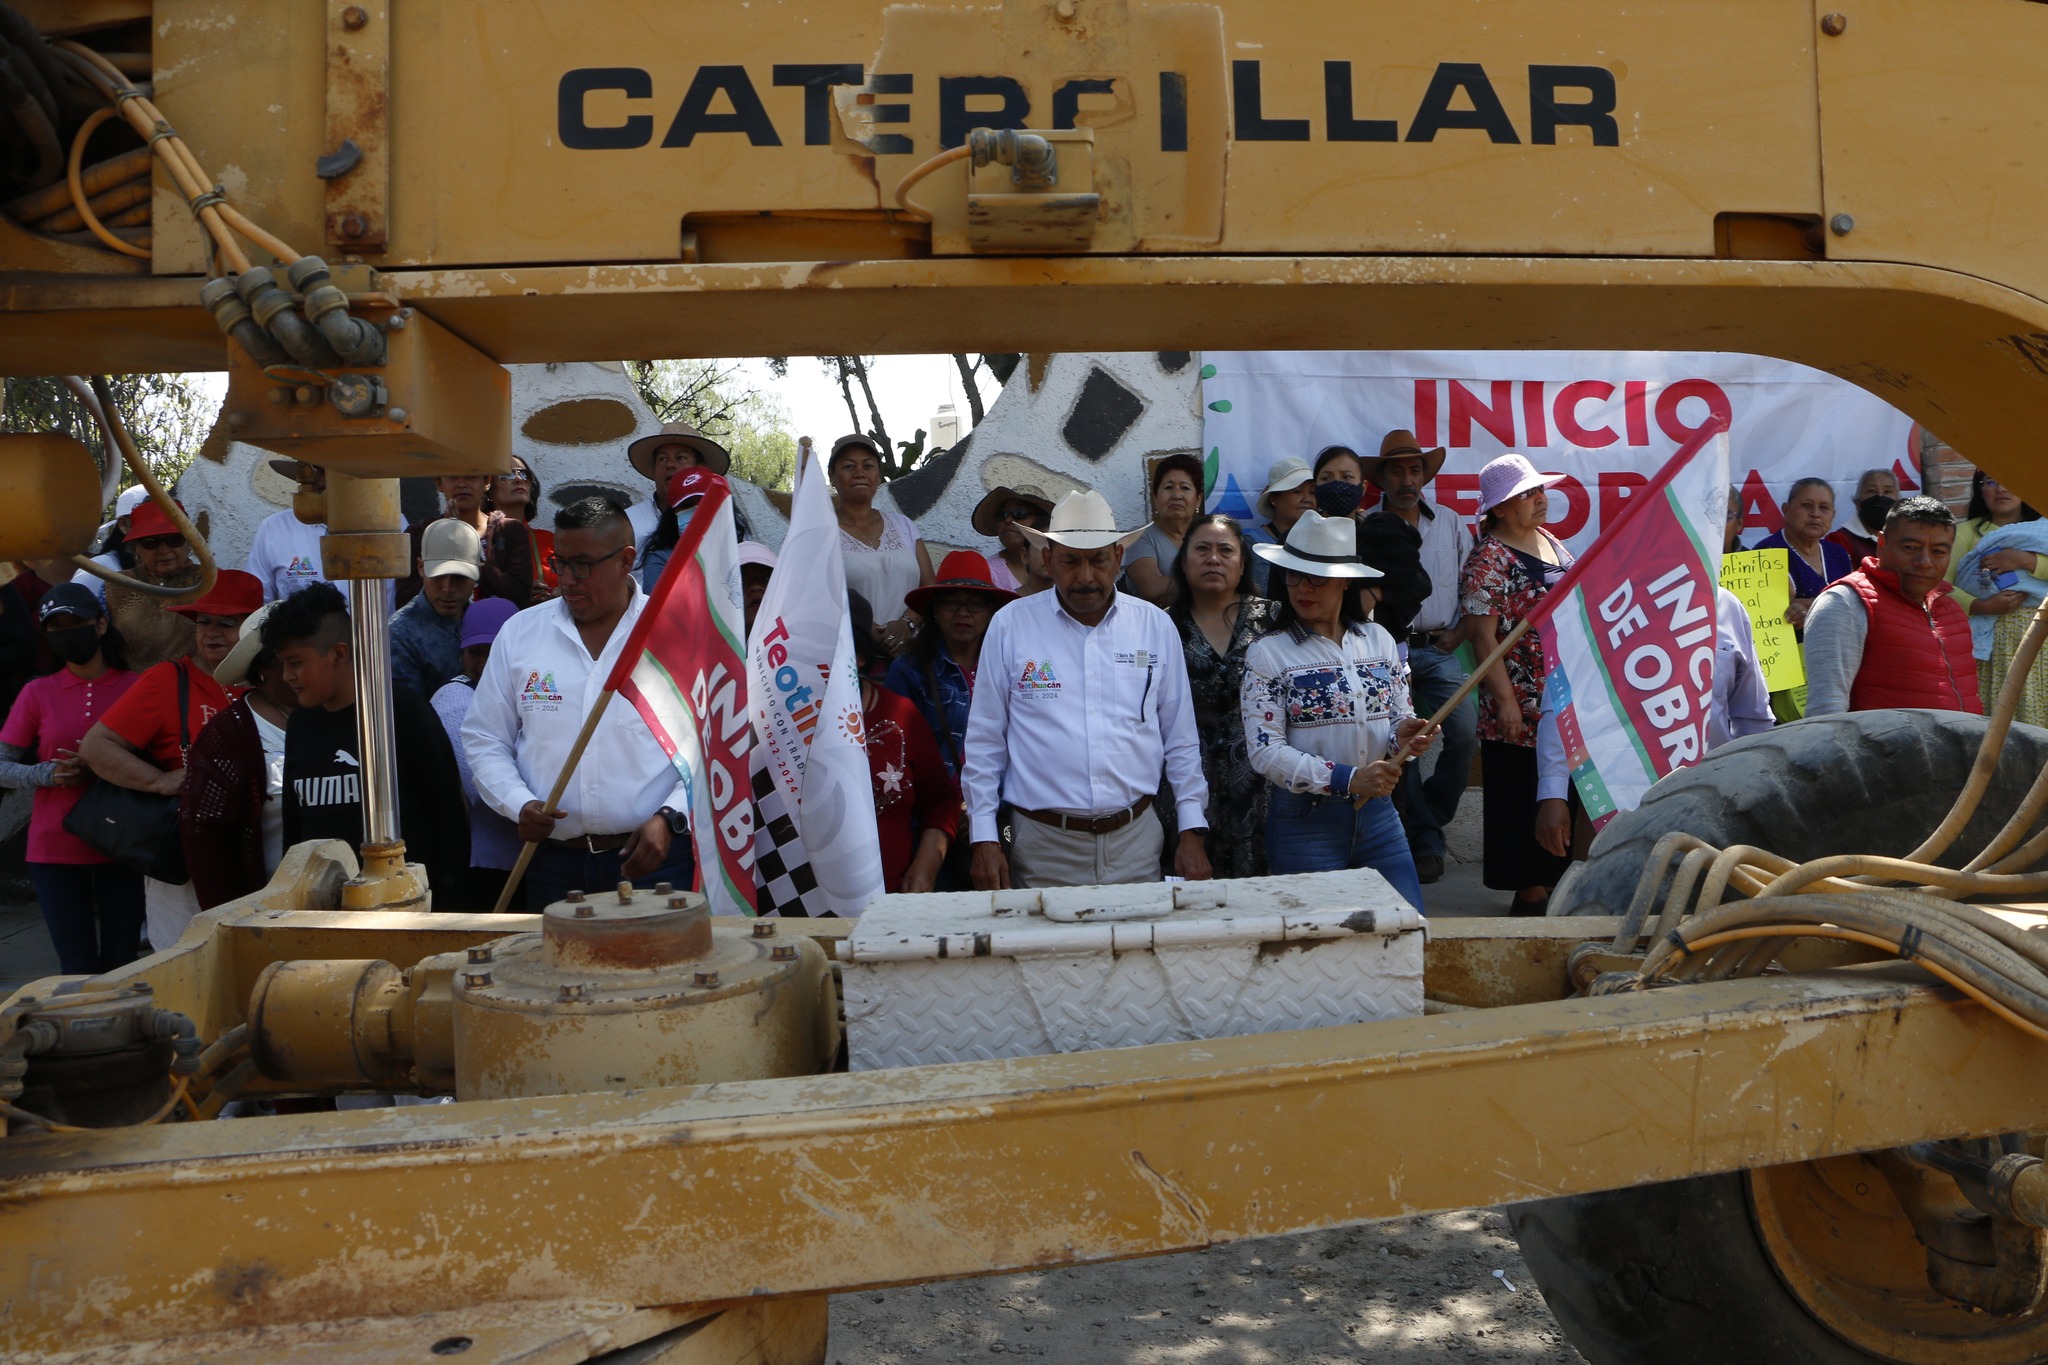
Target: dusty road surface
1414 1292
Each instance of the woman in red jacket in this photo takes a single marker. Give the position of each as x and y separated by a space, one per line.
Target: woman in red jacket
917 803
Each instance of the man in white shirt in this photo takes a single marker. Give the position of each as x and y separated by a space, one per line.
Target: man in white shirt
620 818
1427 804
285 552
1741 706
1083 699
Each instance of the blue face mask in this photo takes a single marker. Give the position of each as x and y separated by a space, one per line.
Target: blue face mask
1339 499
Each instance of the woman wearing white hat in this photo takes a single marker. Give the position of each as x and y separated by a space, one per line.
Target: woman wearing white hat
1515 563
1326 710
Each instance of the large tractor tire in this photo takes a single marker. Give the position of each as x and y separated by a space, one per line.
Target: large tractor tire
1808 1264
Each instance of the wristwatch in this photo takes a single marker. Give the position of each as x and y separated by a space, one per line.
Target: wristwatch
678 823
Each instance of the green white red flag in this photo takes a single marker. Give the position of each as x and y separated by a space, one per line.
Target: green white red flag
684 670
1628 645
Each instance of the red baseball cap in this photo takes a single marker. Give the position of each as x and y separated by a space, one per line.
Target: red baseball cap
234 593
148 519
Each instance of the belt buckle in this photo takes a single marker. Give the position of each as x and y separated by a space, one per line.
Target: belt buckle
590 843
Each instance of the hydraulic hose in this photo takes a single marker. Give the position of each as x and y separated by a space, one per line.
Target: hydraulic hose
275 315
236 321
357 342
80 204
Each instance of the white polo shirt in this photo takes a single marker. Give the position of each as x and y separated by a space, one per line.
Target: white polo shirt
1081 719
530 703
285 555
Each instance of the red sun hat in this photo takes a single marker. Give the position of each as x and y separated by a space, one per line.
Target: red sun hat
148 519
962 570
234 593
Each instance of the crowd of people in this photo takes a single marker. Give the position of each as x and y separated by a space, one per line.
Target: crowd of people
1077 702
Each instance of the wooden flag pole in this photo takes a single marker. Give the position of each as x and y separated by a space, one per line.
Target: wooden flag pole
512 880
1408 754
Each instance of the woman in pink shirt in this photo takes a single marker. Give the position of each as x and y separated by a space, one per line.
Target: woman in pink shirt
93 908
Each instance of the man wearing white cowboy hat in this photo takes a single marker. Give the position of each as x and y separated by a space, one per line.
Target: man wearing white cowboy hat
1290 491
1428 804
1081 700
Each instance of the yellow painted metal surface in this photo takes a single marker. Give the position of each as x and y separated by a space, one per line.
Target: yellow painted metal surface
804 1186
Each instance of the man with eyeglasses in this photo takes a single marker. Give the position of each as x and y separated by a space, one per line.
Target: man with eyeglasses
621 815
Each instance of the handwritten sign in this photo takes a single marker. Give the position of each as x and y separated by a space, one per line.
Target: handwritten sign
1763 580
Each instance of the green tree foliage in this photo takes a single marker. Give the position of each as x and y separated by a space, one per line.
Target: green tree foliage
715 397
168 415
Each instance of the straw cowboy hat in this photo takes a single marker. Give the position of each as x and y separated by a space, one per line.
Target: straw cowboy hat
1083 521
710 453
1397 444
1322 547
1291 472
960 571
984 518
1510 476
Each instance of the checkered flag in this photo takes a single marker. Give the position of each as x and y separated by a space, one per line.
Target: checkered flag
781 866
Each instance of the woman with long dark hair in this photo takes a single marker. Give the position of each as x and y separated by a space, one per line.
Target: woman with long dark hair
1999 554
510 501
1325 712
1219 615
93 909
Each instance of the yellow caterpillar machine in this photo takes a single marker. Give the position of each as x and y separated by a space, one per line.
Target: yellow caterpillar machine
1794 1118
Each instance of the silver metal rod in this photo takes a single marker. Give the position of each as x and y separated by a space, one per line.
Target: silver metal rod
370 635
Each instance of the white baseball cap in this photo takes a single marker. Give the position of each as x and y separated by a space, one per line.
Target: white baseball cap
450 546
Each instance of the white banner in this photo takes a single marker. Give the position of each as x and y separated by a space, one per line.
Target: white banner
817 849
1605 419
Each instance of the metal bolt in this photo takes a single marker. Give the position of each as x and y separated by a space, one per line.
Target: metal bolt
396 322
355 17
238 420
482 954
573 897
663 889
572 990
625 893
1833 24
585 910
783 952
354 226
307 395
476 980
281 395
1064 9
676 902
397 414
708 978
764 928
1841 225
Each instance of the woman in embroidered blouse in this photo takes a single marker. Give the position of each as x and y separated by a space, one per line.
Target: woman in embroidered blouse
883 556
1326 713
1514 564
1219 616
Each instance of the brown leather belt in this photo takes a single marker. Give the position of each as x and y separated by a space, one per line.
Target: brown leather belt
1088 824
593 843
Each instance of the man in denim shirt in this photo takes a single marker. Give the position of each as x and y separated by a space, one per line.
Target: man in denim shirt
426 633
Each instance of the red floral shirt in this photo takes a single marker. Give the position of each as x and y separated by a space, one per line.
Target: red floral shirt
1496 582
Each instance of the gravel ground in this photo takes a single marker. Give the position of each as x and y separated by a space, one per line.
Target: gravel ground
1416 1291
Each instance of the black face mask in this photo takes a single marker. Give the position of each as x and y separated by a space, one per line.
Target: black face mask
1875 509
74 644
1338 498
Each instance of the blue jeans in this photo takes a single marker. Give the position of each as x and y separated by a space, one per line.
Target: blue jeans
1429 803
557 870
93 912
1310 833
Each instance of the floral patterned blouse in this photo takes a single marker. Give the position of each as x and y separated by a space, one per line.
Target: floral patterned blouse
1237 794
1499 581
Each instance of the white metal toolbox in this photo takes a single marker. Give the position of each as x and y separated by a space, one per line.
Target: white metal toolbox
977 975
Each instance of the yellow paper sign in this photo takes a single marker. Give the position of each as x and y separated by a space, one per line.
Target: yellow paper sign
1762 579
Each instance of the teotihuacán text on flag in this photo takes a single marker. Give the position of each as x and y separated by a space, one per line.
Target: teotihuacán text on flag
685 673
1603 419
817 850
1628 638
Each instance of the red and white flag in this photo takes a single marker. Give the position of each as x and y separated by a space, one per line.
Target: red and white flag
683 670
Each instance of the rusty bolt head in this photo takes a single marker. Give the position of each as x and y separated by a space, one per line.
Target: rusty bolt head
280 395
572 990
625 893
482 954
355 17
354 225
238 420
476 980
708 978
306 395
585 910
573 897
663 889
677 902
397 414
1833 24
783 952
764 928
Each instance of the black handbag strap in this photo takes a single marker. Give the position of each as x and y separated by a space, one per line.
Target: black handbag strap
184 667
